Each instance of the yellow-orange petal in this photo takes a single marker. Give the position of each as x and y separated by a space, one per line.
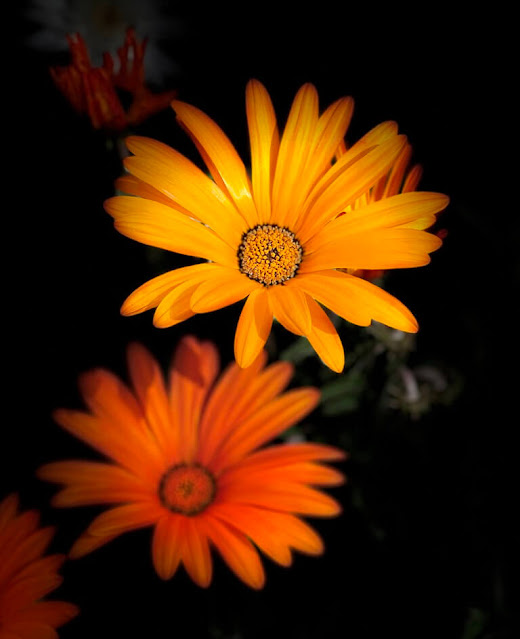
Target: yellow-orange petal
286 496
111 400
185 185
131 185
403 210
236 550
331 288
381 249
377 303
305 472
175 306
253 328
275 533
150 389
348 185
167 545
150 294
330 131
412 179
229 388
260 526
289 306
225 287
92 483
264 387
155 224
266 423
101 435
87 543
121 519
294 149
324 338
280 455
221 157
264 143
347 157
193 370
196 556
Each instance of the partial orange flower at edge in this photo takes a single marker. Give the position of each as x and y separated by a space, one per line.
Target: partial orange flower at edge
189 456
26 576
277 238
94 90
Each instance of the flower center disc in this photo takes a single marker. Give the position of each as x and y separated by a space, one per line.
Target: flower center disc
187 489
269 254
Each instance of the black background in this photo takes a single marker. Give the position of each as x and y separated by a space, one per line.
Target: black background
438 492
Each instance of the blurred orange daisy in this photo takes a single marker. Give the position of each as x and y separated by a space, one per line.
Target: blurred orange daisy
277 238
26 576
188 457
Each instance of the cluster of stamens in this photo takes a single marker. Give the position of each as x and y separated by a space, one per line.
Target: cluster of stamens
187 489
269 254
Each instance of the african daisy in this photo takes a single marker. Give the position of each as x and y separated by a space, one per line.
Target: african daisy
27 576
188 456
275 238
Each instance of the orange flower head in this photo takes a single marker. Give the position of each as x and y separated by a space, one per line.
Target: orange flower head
190 456
94 91
27 576
275 237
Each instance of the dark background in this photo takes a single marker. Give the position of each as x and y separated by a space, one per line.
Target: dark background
424 546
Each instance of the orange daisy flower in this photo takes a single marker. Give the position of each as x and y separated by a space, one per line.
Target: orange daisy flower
187 458
26 576
275 239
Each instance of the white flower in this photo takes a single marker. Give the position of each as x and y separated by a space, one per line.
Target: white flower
102 24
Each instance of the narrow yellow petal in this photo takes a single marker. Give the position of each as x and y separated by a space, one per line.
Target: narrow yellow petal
381 249
150 294
266 423
192 372
155 224
196 555
293 154
357 300
174 308
330 131
227 286
253 328
289 306
131 185
401 210
181 181
331 289
167 545
356 178
236 550
220 155
264 142
150 390
324 338
124 518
